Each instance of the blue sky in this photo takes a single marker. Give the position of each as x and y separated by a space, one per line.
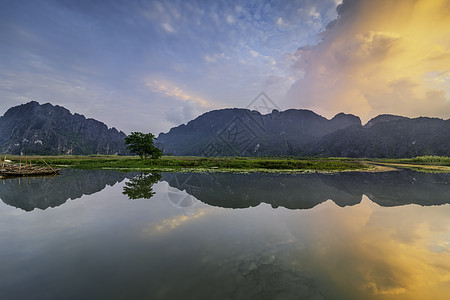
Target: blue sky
150 65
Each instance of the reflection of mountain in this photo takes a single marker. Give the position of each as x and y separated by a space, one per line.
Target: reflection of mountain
45 192
395 188
303 191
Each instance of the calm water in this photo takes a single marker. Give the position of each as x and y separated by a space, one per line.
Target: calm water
110 235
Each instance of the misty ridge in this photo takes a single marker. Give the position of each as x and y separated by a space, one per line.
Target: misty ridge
46 129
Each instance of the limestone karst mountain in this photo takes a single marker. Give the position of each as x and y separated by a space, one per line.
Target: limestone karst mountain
46 129
241 132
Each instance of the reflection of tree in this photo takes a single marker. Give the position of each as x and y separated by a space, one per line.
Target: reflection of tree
141 186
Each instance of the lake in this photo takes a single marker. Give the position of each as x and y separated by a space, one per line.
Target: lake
111 235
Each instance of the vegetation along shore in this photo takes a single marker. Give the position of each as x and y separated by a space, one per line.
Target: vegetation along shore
236 164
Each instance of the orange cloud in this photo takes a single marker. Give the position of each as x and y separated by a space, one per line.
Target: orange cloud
379 57
171 90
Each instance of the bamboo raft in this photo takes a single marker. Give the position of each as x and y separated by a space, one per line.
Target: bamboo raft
17 170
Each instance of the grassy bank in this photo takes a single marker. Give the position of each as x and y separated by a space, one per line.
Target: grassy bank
426 164
177 164
421 160
237 164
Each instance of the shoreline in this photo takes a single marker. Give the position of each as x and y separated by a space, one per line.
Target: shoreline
238 164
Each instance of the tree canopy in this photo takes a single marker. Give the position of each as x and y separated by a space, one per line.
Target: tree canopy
142 144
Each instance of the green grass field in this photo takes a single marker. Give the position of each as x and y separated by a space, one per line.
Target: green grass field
229 164
422 160
171 163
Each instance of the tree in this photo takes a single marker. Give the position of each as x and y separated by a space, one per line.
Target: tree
142 144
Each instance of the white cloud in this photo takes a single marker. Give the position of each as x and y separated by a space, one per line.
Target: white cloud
280 21
254 53
167 27
183 113
209 58
314 13
230 19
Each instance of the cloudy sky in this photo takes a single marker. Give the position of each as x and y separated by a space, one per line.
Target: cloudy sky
147 66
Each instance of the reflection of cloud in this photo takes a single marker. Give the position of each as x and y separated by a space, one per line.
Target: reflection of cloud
169 224
379 57
382 251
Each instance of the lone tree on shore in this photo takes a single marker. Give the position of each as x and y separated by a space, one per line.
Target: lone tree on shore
142 144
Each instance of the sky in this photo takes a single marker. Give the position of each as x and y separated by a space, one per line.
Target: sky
148 66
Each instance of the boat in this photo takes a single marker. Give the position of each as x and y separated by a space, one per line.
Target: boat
17 170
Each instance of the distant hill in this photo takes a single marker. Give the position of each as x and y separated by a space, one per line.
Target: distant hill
46 129
396 138
241 132
32 128
383 118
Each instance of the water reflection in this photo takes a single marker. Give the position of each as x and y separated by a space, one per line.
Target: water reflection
29 193
364 251
304 191
141 186
182 190
293 191
350 247
372 252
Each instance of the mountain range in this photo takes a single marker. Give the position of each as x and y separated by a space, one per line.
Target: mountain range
295 132
46 129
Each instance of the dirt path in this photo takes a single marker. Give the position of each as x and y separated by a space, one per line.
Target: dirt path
411 166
